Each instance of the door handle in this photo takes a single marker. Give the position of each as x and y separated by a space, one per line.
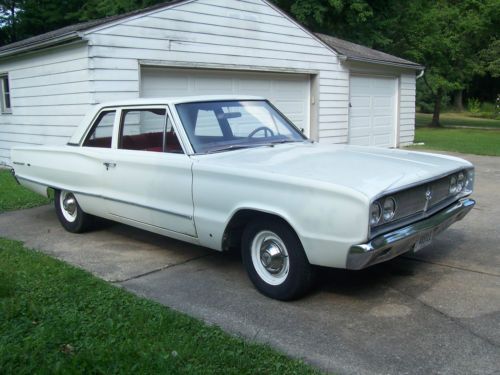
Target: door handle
109 164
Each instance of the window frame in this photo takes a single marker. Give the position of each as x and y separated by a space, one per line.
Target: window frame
5 78
123 111
117 134
95 123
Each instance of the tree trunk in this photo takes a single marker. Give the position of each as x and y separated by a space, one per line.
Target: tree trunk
458 102
437 109
13 31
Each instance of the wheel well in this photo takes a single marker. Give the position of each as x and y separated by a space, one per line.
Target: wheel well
234 229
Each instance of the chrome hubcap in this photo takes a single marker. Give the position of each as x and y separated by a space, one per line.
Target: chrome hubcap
69 207
69 204
272 256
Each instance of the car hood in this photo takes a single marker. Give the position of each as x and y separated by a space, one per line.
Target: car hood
368 170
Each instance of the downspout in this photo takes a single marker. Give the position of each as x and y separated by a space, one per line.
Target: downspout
420 75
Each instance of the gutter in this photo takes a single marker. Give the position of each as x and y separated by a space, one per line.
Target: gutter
380 62
40 44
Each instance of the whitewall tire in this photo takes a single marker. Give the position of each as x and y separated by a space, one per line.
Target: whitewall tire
69 212
274 259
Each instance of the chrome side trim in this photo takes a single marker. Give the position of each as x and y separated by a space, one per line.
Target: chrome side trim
392 244
187 217
150 225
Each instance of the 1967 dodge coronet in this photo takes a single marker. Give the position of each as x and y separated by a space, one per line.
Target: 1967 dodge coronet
233 171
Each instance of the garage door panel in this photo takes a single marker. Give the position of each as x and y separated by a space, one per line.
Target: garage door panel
360 83
290 106
363 124
360 141
259 85
383 102
383 85
385 121
372 117
204 84
360 101
288 92
383 140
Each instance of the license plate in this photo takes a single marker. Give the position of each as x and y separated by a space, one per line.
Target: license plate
424 240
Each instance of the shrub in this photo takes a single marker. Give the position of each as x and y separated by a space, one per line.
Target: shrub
474 105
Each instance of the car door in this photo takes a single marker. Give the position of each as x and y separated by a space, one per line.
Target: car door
88 173
149 174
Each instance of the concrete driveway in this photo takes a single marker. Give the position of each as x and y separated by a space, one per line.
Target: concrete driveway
437 311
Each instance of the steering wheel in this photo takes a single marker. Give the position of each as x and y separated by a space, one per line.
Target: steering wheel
265 129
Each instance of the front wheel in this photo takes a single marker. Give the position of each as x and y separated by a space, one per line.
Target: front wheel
69 212
274 259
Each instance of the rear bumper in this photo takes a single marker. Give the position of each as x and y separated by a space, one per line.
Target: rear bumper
392 244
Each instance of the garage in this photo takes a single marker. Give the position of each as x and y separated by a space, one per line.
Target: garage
288 92
338 92
373 111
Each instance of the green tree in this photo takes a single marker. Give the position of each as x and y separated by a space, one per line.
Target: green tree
455 40
95 9
8 20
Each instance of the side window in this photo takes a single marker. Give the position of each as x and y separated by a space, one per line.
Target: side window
142 129
6 106
146 130
102 131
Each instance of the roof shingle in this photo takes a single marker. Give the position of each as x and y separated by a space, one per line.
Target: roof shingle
358 52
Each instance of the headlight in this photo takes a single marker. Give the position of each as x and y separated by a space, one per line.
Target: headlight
389 208
469 181
453 184
375 213
462 183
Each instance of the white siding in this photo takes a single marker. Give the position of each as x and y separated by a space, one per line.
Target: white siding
407 109
49 94
248 35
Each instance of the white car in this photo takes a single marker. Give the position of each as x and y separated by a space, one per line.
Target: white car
231 171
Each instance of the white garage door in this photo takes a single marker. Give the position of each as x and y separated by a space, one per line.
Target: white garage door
288 92
372 111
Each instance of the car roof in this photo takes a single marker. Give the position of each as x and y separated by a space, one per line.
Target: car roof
175 100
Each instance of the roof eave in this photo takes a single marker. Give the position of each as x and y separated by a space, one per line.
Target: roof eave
382 62
74 35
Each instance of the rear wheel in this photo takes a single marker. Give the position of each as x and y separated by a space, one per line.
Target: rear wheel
275 260
69 212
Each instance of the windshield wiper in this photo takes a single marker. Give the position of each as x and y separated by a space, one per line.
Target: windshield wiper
235 147
286 141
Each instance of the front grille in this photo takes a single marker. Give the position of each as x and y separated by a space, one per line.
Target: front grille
414 200
416 203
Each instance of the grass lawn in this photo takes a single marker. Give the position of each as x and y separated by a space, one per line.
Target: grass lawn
55 318
468 141
457 119
13 196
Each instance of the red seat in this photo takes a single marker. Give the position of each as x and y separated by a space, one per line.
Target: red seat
172 143
104 142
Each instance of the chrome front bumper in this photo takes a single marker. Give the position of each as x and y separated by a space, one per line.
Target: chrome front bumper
400 241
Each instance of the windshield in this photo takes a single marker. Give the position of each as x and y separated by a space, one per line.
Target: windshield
229 125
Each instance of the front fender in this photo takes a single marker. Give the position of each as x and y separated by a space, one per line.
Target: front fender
325 217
